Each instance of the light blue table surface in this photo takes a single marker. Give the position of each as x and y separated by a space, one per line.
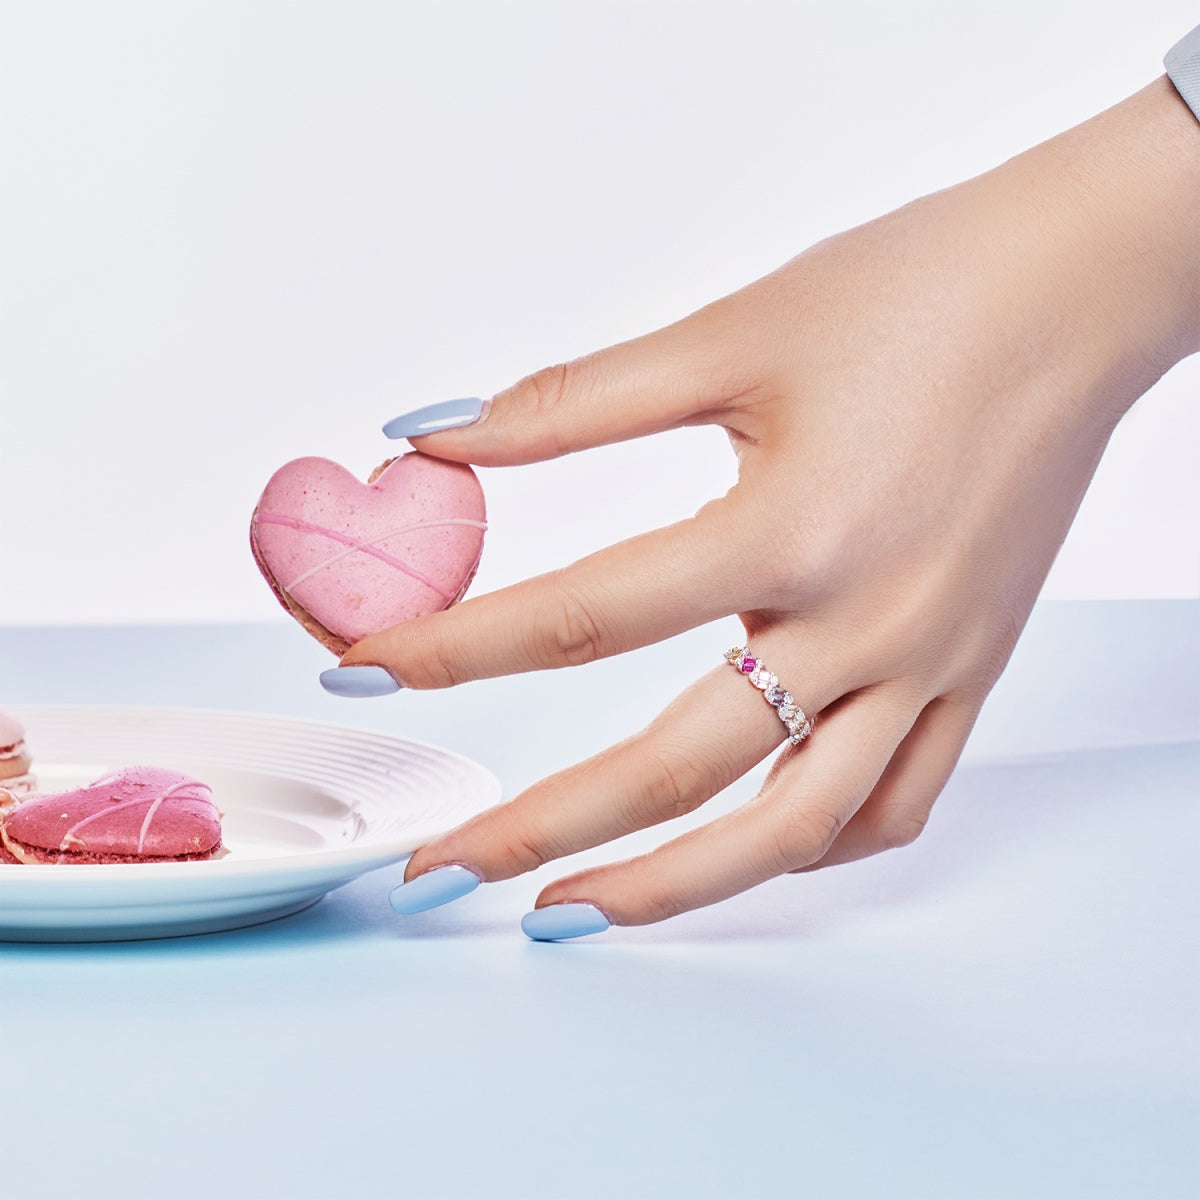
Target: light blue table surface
1007 1008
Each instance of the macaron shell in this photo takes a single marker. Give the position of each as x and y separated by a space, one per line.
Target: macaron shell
348 558
15 763
12 741
11 730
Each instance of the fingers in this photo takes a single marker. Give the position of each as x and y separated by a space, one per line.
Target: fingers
710 735
896 811
656 382
637 592
812 793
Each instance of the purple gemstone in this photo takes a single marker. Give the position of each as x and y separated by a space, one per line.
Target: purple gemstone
748 664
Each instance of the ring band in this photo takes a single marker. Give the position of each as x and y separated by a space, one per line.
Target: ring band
779 698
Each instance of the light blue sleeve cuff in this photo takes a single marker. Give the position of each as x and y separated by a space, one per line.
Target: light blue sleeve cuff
1183 68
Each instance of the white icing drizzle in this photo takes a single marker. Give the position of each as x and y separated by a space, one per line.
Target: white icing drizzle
71 835
338 555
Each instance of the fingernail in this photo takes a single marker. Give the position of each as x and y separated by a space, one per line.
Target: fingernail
557 921
447 414
358 681
439 886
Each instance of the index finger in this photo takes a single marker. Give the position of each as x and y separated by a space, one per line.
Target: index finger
688 372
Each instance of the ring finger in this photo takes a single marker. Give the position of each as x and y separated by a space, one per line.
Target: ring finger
809 797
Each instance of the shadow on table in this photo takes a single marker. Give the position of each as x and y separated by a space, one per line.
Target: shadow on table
992 820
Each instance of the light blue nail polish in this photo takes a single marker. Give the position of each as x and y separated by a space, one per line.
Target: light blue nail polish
448 414
358 682
439 886
558 921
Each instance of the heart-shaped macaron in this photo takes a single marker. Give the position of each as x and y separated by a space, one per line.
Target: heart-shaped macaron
347 558
137 814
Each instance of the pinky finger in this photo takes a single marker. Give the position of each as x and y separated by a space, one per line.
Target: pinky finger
897 809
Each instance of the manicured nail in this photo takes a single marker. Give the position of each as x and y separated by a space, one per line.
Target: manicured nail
358 682
439 886
433 418
557 921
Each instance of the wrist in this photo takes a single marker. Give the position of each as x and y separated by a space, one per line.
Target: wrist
1165 170
1127 199
1090 246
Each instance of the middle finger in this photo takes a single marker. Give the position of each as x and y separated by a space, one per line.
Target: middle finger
709 736
640 591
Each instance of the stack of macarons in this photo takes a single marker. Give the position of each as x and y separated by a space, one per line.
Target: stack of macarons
16 780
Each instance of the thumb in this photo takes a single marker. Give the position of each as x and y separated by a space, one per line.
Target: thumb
680 374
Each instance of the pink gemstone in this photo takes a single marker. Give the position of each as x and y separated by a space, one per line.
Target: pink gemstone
748 664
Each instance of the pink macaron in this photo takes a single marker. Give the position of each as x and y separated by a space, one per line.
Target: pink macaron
137 814
348 559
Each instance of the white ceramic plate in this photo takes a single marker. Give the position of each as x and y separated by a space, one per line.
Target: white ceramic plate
307 807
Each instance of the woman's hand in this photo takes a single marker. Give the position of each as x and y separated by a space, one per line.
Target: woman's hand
917 408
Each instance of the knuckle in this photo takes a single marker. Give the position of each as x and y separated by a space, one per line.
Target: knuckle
545 392
898 829
996 655
823 552
510 839
546 388
807 559
575 634
653 905
677 784
802 836
433 667
520 847
980 654
523 854
418 659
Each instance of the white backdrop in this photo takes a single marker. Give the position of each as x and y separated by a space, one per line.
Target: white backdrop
235 233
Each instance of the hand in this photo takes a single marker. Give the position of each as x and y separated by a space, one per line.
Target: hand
917 407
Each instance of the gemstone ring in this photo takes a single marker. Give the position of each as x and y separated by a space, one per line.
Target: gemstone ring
779 698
